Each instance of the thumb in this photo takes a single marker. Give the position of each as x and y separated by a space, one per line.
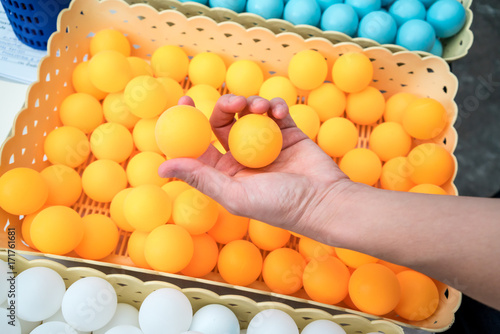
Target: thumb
206 179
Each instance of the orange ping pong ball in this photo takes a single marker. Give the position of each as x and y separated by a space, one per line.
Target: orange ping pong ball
431 163
326 280
194 211
144 135
365 107
240 262
202 92
337 136
207 108
99 239
424 118
23 191
255 140
109 39
352 72
427 188
279 86
396 175
116 210
173 189
207 68
419 296
109 71
312 249
170 61
169 248
145 96
111 141
389 140
306 119
67 145
354 259
146 207
81 110
204 257
65 185
327 100
267 237
307 69
135 248
396 105
283 269
81 81
174 90
244 77
26 228
396 268
103 179
361 165
374 289
228 227
57 230
116 111
139 67
142 168
183 131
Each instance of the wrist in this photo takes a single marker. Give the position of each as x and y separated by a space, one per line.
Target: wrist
329 220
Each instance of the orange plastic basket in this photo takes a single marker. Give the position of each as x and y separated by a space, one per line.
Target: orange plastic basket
147 29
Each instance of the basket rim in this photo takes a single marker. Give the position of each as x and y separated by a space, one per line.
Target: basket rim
238 18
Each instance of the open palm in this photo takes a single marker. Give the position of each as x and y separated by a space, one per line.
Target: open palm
282 193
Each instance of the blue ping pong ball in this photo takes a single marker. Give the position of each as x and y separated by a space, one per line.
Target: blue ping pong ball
302 12
324 4
379 26
387 3
236 5
437 49
268 9
405 10
447 17
416 35
340 17
363 7
427 3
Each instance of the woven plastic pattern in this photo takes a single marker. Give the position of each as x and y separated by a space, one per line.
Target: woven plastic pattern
133 291
147 30
33 21
454 48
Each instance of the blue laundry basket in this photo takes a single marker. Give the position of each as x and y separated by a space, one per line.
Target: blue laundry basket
33 21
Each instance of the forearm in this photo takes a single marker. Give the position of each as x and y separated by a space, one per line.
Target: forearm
452 239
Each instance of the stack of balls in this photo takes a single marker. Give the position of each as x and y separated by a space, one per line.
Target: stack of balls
44 305
417 25
122 122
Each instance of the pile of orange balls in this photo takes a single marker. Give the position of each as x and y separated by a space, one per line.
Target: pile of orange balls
122 123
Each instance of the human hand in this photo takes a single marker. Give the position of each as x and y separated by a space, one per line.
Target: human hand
288 193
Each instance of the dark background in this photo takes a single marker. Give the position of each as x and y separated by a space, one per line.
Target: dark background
478 127
478 100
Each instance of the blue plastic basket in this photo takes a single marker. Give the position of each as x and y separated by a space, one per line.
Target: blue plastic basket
33 21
